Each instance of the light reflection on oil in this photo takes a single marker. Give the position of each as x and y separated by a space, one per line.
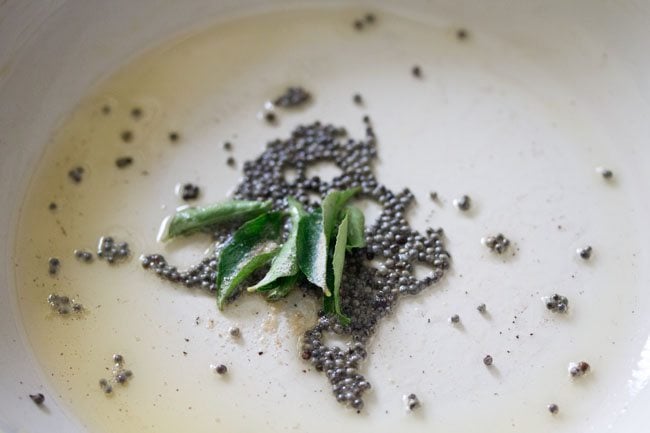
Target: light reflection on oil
641 375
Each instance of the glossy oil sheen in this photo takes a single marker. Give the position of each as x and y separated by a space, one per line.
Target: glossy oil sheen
473 124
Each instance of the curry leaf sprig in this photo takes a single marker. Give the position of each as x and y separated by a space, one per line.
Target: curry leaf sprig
314 248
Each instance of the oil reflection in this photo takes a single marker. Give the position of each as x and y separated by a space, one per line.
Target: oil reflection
641 375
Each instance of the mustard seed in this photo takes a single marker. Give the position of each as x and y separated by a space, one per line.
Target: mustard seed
37 398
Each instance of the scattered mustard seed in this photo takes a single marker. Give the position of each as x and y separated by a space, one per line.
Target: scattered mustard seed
497 243
556 303
577 369
584 253
136 113
37 398
463 203
189 191
126 136
174 136
76 174
605 172
412 402
123 161
53 265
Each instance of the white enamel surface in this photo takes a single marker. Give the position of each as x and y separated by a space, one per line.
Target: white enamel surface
541 96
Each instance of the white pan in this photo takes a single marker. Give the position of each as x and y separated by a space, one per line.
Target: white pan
578 74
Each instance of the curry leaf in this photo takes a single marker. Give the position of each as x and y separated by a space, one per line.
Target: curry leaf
312 250
282 287
332 205
333 305
285 264
193 219
356 228
251 247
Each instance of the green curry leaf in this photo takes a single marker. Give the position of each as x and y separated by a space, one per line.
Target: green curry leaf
282 287
285 264
333 205
193 219
312 250
333 304
356 228
251 247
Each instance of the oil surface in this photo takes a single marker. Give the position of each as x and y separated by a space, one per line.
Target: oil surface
468 125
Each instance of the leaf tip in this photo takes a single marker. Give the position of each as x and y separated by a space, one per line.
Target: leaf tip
344 320
221 302
163 231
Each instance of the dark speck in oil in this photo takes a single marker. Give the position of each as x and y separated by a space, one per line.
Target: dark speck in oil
123 161
174 136
126 136
462 34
